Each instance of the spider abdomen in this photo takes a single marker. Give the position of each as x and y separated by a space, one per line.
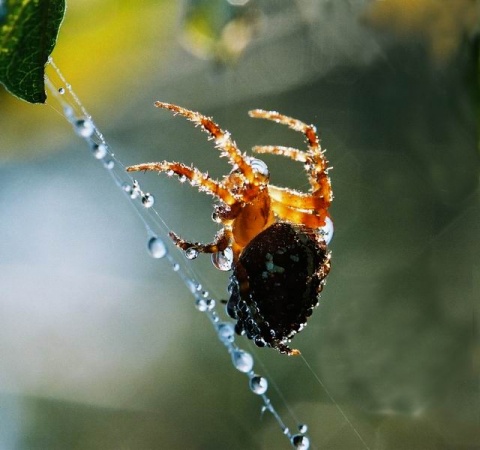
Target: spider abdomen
276 283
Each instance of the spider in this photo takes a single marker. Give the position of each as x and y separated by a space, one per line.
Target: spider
274 238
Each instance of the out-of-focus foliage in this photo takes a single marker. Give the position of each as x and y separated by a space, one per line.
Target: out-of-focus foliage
125 43
28 33
442 24
218 30
97 37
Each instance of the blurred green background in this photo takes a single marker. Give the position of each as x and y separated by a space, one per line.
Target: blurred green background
101 347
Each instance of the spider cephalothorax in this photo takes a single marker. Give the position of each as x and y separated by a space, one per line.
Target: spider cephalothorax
276 236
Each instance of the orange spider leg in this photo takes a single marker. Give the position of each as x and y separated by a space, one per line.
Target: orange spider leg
297 199
311 219
202 180
315 161
290 196
323 185
309 131
221 241
221 137
289 152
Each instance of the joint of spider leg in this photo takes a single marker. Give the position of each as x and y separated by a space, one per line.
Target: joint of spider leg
221 139
311 135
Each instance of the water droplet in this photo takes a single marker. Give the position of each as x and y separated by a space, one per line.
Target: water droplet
191 253
260 342
226 332
242 360
182 178
259 166
223 260
258 385
204 304
109 164
201 304
99 151
61 91
327 230
136 191
157 248
286 431
68 111
216 217
232 285
175 267
148 200
300 441
303 428
84 127
210 304
231 309
127 188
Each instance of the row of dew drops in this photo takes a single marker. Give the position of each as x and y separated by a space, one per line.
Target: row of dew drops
84 127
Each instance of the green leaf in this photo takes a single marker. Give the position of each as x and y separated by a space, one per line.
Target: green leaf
28 33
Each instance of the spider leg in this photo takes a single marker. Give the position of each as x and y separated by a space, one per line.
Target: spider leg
221 242
309 131
222 138
311 219
289 152
315 161
296 199
196 178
